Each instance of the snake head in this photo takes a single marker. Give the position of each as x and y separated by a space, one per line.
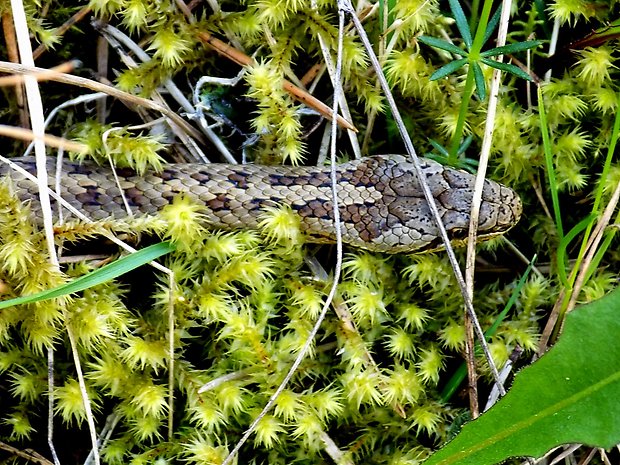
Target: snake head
401 218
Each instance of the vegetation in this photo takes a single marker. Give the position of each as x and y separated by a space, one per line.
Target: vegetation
380 382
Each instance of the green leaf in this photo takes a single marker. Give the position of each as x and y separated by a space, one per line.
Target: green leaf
562 255
448 69
568 396
492 25
461 162
481 87
442 44
508 68
461 22
94 278
512 48
440 148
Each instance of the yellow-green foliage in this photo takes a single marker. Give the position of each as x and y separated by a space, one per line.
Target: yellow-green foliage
244 302
244 305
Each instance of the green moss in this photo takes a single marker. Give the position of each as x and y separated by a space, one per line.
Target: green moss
244 302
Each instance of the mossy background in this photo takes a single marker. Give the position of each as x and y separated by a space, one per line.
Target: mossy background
244 302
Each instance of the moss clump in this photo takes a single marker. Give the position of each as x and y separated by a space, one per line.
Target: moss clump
243 303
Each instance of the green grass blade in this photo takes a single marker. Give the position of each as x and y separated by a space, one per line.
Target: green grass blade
461 372
492 26
565 242
440 148
508 68
94 278
553 186
481 86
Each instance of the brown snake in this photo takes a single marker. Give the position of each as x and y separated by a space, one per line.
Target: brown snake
381 204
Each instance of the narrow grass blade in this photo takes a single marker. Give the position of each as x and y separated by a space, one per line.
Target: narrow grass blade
565 242
481 86
492 26
94 278
511 48
553 185
460 373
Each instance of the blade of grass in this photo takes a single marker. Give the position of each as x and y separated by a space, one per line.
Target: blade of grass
459 375
553 185
492 26
102 275
598 197
442 44
481 87
596 211
564 243
511 48
448 69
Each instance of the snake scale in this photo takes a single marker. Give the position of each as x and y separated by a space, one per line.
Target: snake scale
382 206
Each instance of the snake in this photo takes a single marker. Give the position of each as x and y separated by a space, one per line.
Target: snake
381 203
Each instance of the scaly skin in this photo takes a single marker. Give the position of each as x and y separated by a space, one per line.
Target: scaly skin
382 207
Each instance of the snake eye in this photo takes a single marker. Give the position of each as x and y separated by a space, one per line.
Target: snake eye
459 233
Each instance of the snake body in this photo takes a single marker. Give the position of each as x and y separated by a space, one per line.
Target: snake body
381 204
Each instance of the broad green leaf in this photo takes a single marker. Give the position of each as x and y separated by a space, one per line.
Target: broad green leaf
461 22
508 68
570 395
511 48
94 278
481 87
442 44
448 69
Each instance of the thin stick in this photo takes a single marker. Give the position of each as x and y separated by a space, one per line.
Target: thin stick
242 59
10 43
595 239
118 40
470 264
35 105
337 268
347 7
27 454
355 146
47 75
46 139
7 67
77 17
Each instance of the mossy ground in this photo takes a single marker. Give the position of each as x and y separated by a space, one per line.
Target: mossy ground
244 302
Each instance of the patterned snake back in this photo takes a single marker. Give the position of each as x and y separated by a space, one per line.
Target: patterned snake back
382 207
